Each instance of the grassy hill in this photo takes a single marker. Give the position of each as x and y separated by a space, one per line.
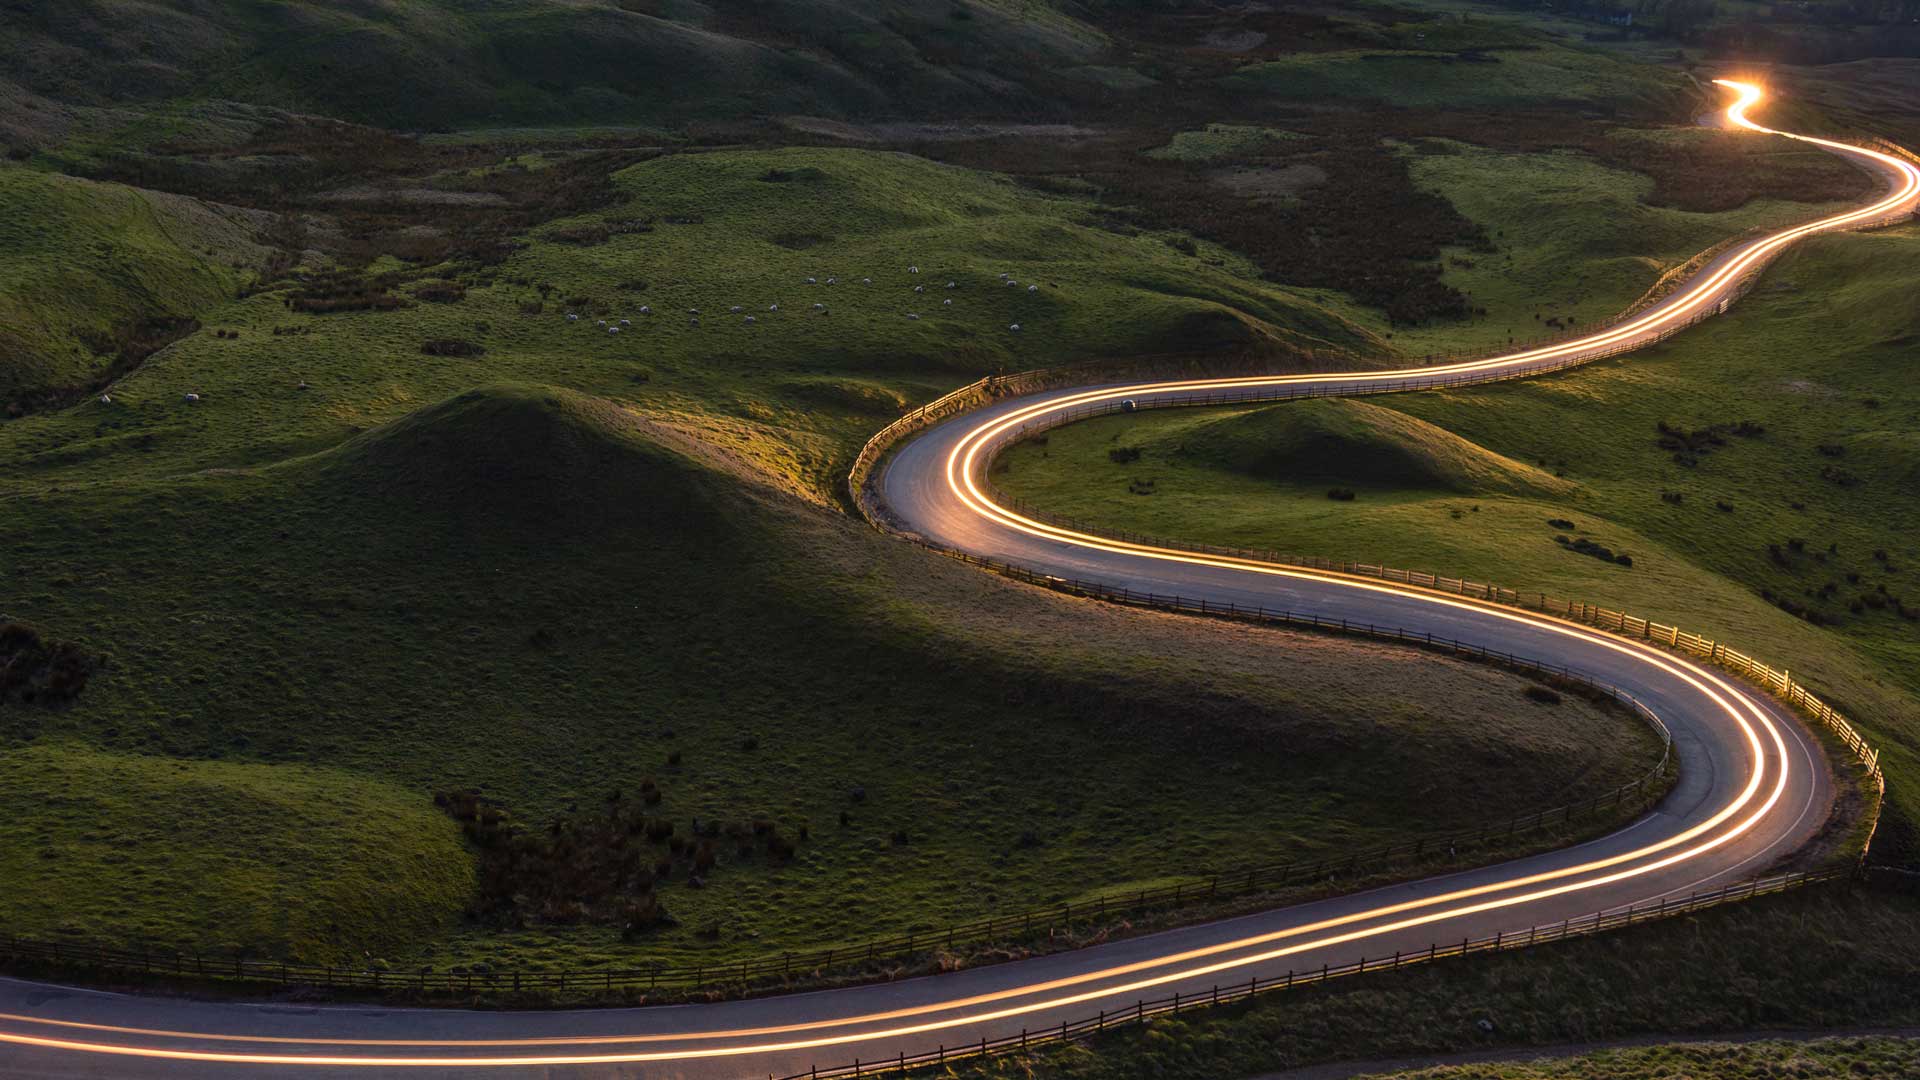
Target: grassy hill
1348 442
549 598
87 270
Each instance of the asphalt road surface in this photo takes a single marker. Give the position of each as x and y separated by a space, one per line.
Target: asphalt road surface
1753 788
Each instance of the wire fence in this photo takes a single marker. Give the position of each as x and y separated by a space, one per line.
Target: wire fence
1777 681
1144 1010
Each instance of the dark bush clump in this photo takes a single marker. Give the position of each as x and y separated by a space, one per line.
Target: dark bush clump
440 292
1124 455
34 671
1340 494
1543 695
450 347
1561 523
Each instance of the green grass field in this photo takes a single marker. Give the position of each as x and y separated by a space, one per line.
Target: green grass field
1836 960
1578 240
1817 1059
1467 482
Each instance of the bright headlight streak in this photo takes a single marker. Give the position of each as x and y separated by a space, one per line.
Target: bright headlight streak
961 466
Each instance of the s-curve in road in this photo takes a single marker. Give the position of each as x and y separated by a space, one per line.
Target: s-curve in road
1753 787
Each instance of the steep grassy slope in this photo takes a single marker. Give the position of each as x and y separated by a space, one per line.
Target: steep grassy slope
288 860
546 597
426 63
1791 534
86 266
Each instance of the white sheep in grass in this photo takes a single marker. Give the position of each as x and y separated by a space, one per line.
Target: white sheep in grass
1004 275
693 322
626 322
773 307
106 399
1015 328
833 281
645 310
736 309
1033 288
919 288
190 398
946 303
749 320
693 311
913 269
571 317
1011 283
953 284
819 307
811 281
866 281
912 316
613 329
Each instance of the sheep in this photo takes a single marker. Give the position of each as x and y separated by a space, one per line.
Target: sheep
613 329
303 385
1033 288
106 399
812 281
833 281
749 320
913 269
866 281
645 310
626 322
773 307
191 398
919 288
601 322
819 307
1015 328
1011 283
693 311
946 303
1004 275
953 284
571 317
912 316
736 309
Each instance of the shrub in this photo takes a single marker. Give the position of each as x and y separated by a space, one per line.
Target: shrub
1831 450
34 671
450 347
1542 694
1561 523
440 292
1340 494
1124 455
1674 498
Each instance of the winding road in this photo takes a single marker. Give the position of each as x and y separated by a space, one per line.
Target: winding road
1753 788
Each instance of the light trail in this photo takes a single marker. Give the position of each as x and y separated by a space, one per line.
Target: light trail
1755 725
